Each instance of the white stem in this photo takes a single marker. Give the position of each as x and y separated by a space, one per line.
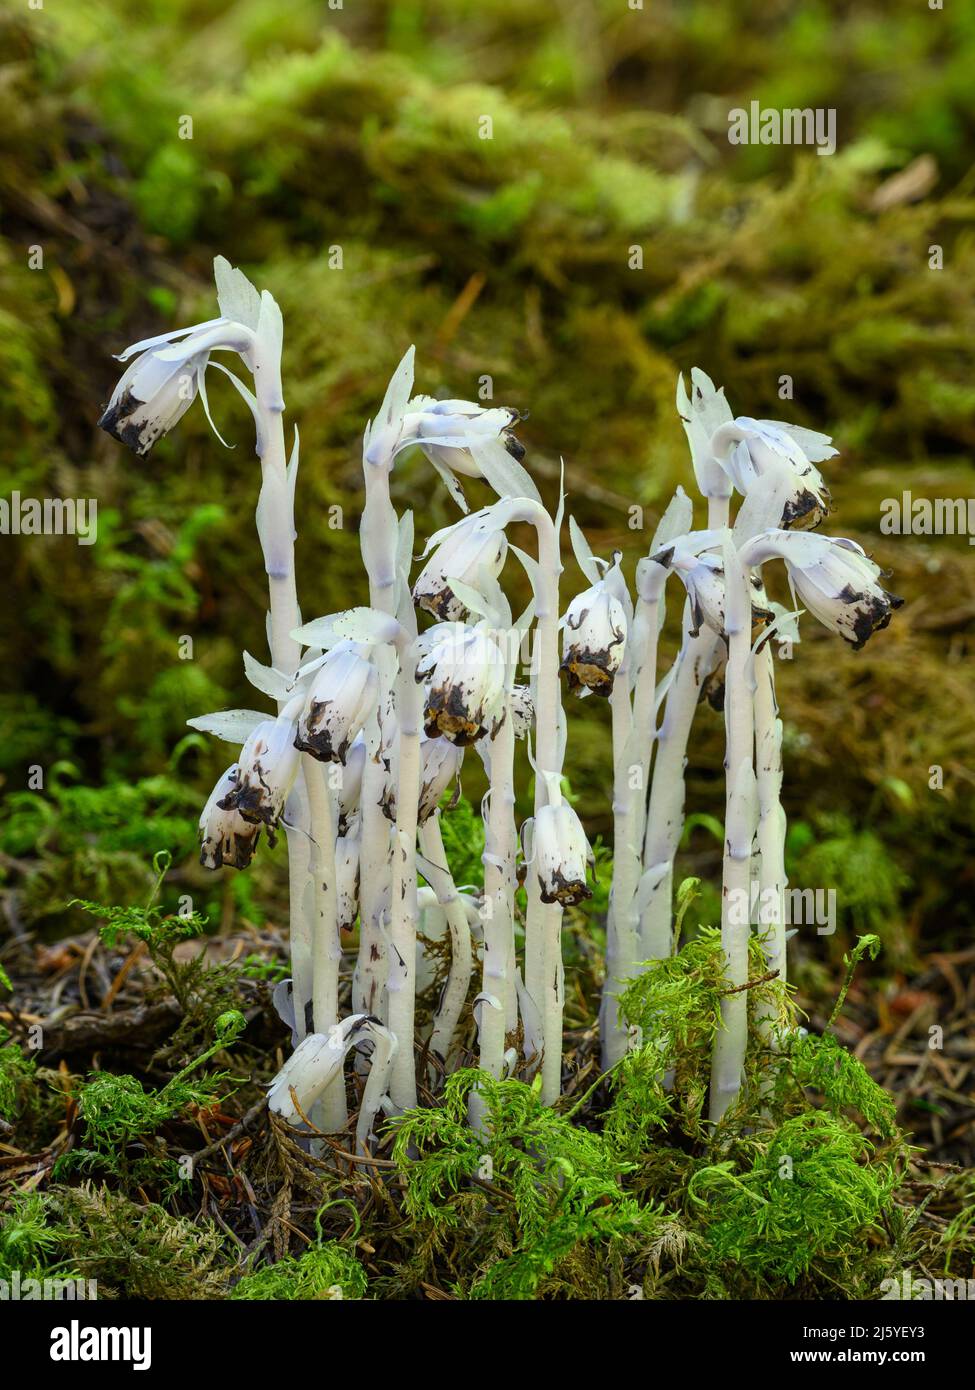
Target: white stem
731 1041
771 825
332 1114
665 811
623 920
372 968
665 814
279 565
454 996
378 530
401 988
497 913
543 927
301 900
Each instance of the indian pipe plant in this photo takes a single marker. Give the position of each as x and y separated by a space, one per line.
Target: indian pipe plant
375 714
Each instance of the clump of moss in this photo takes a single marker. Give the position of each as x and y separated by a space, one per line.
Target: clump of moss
16 1077
531 1190
325 1271
810 1189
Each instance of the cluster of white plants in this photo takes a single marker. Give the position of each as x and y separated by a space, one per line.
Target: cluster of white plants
375 715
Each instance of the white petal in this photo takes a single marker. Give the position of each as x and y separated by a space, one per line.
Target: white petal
231 725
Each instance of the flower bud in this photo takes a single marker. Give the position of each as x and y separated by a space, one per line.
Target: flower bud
268 767
703 577
342 696
151 398
225 837
561 853
465 694
594 641
472 551
752 449
834 579
445 429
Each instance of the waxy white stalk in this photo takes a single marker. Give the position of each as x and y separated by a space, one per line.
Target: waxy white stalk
437 873
728 1060
771 826
331 1114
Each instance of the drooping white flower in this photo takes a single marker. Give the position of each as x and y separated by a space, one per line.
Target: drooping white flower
561 853
834 579
268 767
465 673
341 698
450 433
473 551
317 1061
751 449
225 837
169 370
701 570
446 431
594 640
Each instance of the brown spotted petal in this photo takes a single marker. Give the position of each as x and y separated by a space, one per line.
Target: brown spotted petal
833 578
225 837
561 854
268 767
340 700
594 641
473 551
465 674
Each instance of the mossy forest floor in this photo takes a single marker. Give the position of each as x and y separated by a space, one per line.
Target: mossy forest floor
138 1150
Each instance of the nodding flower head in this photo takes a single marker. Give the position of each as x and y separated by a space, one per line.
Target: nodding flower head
225 837
750 449
167 375
702 574
594 640
342 696
472 550
445 431
561 854
465 672
267 770
833 578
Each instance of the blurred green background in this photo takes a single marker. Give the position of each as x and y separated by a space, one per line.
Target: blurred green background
358 127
